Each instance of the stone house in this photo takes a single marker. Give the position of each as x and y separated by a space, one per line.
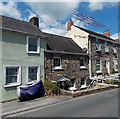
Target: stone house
64 57
22 55
102 50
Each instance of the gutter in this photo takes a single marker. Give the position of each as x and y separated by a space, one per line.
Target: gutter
62 52
7 29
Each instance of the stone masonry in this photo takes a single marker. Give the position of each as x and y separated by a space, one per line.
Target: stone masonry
70 67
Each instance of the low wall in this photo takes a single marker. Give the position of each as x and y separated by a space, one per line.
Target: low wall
87 91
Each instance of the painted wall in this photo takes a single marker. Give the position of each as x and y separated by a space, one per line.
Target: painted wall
79 36
14 53
0 70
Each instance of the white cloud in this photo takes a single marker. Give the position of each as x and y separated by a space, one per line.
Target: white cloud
101 4
10 9
96 6
116 36
50 14
56 31
79 23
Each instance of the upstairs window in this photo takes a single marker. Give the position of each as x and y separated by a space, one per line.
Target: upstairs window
106 46
114 48
98 46
57 62
33 45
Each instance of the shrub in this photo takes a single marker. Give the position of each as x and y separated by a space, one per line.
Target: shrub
108 81
51 88
116 82
113 70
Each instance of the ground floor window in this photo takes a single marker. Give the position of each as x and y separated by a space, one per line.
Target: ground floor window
98 65
83 81
57 62
12 75
115 65
33 73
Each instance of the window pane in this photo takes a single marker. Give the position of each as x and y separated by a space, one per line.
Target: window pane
11 75
32 73
32 44
56 61
98 67
81 62
82 81
97 61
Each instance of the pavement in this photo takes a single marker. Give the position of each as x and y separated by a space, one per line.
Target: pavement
15 106
103 104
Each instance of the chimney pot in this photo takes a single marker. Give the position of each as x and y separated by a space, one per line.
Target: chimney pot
107 33
69 24
34 21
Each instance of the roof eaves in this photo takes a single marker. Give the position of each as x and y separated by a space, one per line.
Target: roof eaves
62 52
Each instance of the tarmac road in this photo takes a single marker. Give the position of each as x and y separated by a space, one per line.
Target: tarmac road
104 104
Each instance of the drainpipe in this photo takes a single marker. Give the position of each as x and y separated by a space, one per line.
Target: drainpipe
89 52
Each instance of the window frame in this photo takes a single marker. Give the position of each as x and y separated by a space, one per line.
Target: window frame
98 46
57 67
106 46
38 74
114 48
114 64
100 71
18 75
38 45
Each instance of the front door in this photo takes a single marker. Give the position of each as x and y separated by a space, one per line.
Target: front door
108 66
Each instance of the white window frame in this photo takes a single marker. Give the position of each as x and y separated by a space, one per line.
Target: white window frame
18 75
98 46
38 45
83 67
115 62
38 74
57 67
113 48
100 71
106 46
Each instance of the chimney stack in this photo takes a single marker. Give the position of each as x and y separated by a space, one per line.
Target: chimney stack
34 21
69 24
107 33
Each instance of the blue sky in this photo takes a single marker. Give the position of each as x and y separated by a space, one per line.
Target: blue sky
53 16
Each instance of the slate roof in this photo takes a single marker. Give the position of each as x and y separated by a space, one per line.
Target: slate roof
19 26
63 44
94 33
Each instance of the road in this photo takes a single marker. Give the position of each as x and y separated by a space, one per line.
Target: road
104 104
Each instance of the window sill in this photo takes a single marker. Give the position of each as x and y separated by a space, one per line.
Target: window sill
99 72
106 51
83 87
98 50
57 68
33 52
83 67
30 83
11 85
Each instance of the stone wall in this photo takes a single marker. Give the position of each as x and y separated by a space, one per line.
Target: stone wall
102 55
70 67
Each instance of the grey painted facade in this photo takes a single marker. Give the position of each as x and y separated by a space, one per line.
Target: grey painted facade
14 53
